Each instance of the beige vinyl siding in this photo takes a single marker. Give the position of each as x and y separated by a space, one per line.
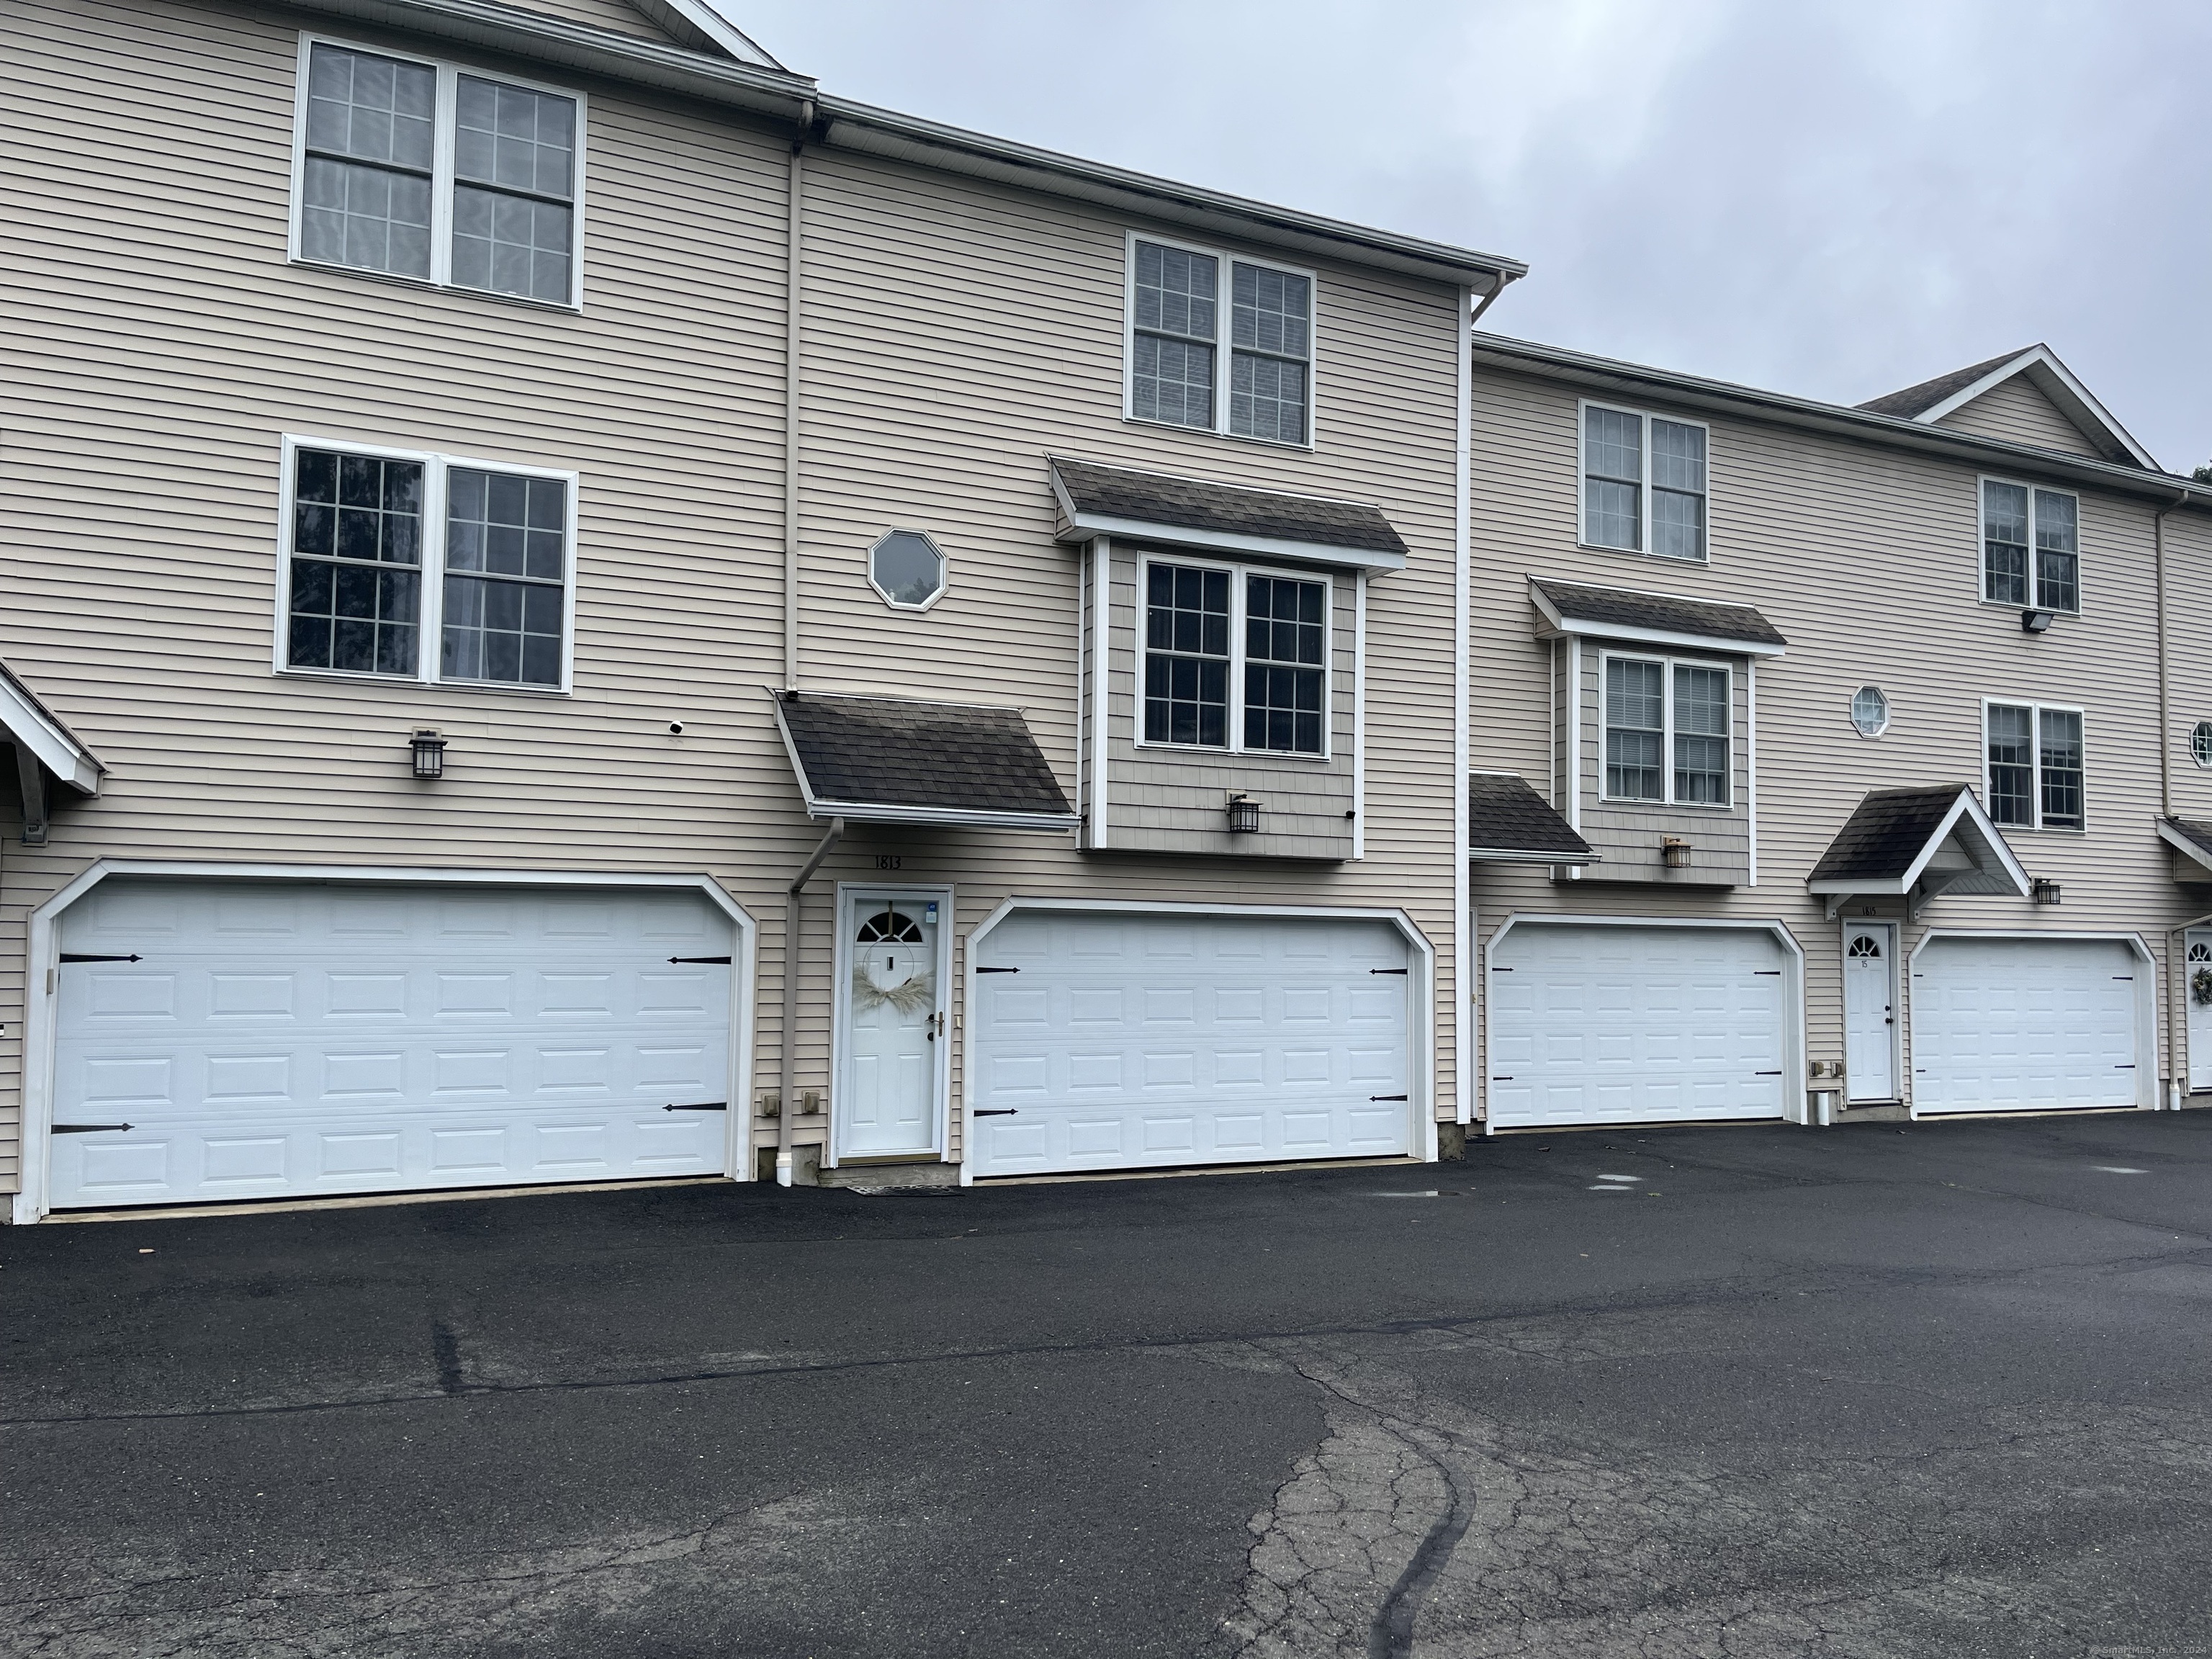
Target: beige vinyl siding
955 333
1627 835
1866 560
617 14
2016 411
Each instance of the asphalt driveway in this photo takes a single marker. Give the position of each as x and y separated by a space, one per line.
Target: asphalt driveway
1871 1391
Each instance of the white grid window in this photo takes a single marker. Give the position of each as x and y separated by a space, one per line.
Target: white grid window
1210 628
387 551
416 170
1643 483
2036 776
2031 546
1667 732
1262 387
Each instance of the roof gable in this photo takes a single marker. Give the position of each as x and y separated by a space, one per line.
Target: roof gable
694 25
2025 396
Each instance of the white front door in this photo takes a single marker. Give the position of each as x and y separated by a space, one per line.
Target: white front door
1116 1040
891 1012
2199 993
1869 1011
1635 1023
2026 1024
231 1040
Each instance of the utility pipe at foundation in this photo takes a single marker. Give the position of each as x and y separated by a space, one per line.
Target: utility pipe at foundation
786 1100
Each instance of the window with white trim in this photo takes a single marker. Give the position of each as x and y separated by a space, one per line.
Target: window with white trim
1210 628
1643 483
2035 767
1667 735
2031 546
421 170
1262 387
388 551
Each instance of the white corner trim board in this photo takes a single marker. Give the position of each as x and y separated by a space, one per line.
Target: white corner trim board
32 1201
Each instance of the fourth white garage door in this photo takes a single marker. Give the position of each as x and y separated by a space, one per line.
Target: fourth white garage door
1115 1040
2021 1024
278 1039
1637 1024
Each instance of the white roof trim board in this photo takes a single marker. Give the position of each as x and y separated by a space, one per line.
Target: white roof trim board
25 721
1561 624
708 19
2182 842
2056 382
1991 866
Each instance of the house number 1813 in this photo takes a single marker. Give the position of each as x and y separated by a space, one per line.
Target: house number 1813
887 861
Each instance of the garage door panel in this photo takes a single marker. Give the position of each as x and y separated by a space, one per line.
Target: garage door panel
2020 1024
1634 1024
1134 1040
321 1039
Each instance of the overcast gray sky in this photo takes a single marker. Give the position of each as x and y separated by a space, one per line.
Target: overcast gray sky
1830 199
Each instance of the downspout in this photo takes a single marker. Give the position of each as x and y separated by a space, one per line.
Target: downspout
2175 984
795 899
794 294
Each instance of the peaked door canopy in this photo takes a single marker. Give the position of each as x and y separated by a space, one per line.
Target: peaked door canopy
1918 842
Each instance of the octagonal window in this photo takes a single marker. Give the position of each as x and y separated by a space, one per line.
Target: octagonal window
907 570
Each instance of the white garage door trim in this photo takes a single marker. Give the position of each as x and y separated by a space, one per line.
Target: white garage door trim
1793 1100
2146 998
1420 1029
42 958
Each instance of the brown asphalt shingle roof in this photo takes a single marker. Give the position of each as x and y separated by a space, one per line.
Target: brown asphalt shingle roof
1163 498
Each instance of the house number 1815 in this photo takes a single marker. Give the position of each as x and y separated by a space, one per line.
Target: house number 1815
887 861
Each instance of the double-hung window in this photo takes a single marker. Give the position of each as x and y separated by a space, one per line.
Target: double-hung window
2031 546
1257 382
1643 483
424 172
2035 765
1666 731
1210 632
426 568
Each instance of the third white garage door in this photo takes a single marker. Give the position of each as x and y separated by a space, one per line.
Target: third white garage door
2024 1024
1637 1024
1113 1041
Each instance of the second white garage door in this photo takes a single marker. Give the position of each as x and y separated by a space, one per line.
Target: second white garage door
2021 1024
1635 1024
1113 1041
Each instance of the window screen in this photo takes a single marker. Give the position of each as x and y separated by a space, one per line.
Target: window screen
2005 543
1270 341
1701 736
2061 759
1635 729
370 146
514 154
505 577
1613 482
2012 765
1172 378
1678 489
2057 552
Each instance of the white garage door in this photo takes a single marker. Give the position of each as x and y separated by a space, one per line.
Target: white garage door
1108 1042
1637 1024
275 1039
2016 1024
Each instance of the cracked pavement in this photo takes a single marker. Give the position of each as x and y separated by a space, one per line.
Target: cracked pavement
1864 1393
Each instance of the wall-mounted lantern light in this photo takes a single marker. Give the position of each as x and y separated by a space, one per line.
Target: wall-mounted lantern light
1243 815
429 752
2035 621
1675 851
2045 892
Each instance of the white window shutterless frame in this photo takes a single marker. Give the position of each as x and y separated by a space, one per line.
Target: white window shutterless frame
2035 764
432 568
2031 541
1642 483
1238 658
1267 352
1685 736
441 176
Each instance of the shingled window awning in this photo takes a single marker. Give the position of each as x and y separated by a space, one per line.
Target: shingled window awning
1625 613
1918 842
1509 823
1096 499
891 760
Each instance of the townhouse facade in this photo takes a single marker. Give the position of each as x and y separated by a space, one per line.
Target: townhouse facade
580 608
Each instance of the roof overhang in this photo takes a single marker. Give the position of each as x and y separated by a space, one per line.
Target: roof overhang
1510 855
857 809
1965 853
1509 823
32 727
1557 622
2043 370
750 80
1077 524
1835 420
2196 852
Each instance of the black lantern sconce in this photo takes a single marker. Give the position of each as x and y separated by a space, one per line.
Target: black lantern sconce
2045 892
429 749
1243 815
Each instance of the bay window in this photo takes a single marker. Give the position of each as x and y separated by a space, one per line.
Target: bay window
1667 732
1209 629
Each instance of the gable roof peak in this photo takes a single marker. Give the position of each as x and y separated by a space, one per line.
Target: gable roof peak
1931 400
